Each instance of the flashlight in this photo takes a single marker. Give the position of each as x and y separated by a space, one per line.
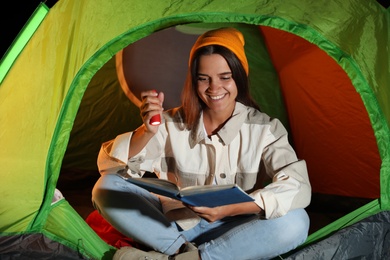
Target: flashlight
155 120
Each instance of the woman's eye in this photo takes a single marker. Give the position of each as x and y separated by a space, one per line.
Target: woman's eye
202 79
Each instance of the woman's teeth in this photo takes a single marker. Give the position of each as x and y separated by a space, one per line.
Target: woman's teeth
217 97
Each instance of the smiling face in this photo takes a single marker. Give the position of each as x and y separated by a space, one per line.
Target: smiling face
215 85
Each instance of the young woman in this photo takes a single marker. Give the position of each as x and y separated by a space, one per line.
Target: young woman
218 136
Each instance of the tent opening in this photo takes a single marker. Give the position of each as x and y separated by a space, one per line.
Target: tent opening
290 78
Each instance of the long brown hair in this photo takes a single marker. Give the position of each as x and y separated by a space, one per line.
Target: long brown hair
191 102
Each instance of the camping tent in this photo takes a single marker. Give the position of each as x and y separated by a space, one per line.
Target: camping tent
321 67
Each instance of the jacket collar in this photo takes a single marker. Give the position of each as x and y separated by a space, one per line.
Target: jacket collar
227 133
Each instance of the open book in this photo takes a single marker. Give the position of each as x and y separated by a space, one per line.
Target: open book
206 195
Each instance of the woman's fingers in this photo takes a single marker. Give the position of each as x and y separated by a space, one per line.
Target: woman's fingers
151 105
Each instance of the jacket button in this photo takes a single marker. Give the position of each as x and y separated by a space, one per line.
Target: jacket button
222 175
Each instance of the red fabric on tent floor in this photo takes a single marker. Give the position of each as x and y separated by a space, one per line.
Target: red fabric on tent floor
106 232
329 123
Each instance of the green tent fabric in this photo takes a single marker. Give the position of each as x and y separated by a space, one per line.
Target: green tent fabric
61 92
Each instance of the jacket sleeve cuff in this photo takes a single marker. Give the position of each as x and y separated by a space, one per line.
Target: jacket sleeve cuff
120 147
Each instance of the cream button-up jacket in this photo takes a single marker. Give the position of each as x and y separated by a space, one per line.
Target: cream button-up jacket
251 150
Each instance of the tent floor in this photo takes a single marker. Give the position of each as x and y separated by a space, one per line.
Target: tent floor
76 186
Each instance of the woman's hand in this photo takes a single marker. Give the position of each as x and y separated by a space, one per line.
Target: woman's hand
217 213
211 214
151 105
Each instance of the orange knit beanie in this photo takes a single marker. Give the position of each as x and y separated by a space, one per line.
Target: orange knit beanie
227 37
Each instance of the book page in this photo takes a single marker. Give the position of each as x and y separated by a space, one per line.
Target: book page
155 182
159 186
175 210
169 204
204 189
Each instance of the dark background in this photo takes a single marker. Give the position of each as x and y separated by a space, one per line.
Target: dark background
15 14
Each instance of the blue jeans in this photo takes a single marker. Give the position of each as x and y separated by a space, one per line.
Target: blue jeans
137 213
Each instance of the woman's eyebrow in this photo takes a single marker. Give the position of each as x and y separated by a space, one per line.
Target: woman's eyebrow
220 74
225 73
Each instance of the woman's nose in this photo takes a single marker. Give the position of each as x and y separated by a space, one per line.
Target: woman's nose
214 84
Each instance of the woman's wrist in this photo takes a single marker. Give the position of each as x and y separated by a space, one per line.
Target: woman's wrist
245 208
139 139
